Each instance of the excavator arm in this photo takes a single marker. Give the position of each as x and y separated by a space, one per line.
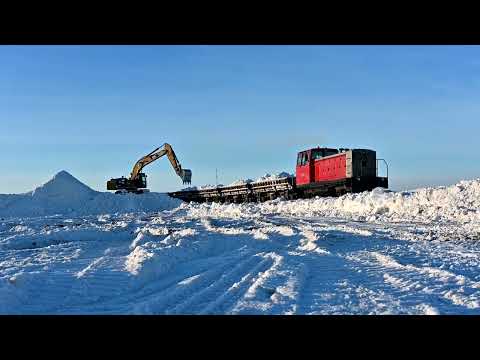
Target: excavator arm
165 149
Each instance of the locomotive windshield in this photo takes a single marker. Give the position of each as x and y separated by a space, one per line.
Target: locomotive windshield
319 153
329 152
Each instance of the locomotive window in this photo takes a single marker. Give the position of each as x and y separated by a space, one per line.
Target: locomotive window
329 152
305 159
299 159
316 154
302 159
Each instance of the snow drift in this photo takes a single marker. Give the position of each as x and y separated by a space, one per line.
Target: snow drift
64 194
459 203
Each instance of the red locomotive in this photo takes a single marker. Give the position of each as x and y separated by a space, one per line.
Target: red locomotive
336 172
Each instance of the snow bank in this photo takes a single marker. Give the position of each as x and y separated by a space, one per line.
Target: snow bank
459 203
64 194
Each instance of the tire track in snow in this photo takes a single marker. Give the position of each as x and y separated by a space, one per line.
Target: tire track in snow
321 288
203 298
332 285
159 298
274 291
416 285
227 300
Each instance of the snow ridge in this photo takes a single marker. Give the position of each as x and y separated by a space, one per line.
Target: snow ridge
459 203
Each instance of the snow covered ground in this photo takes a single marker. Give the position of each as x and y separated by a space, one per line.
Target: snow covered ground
65 248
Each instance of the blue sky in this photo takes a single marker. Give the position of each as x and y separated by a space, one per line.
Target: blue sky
246 110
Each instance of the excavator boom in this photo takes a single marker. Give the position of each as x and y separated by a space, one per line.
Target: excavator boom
138 179
144 161
165 149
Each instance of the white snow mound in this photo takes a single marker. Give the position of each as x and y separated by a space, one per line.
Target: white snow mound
64 194
61 185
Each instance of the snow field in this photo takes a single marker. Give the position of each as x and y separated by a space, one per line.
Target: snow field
174 263
372 253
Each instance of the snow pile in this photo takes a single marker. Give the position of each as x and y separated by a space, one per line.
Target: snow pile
61 187
203 187
208 186
268 177
241 182
64 194
459 203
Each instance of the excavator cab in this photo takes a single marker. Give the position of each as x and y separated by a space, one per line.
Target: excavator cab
141 181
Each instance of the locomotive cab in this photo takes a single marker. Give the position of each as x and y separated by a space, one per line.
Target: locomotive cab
306 160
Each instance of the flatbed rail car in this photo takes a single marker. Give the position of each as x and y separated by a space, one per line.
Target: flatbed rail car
248 192
319 172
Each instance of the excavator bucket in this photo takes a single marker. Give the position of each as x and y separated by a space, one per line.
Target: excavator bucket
187 176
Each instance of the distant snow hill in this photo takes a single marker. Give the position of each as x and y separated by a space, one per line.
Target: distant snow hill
64 194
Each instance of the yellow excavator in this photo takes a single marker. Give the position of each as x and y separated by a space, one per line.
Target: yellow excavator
137 182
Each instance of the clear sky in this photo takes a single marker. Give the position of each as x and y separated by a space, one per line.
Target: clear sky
246 110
